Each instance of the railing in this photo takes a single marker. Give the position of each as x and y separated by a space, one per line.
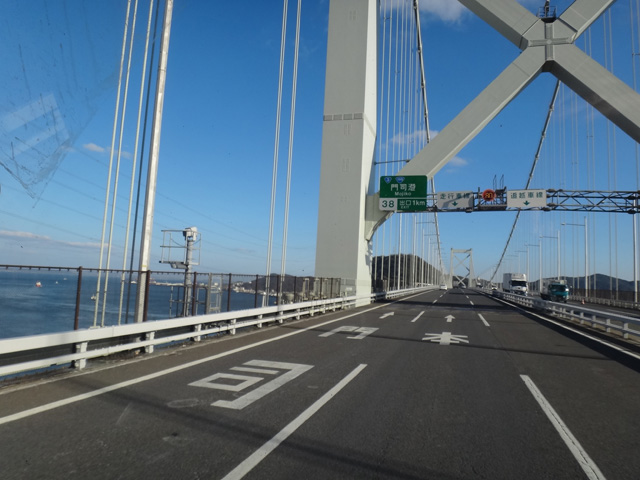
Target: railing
47 299
607 321
35 352
611 302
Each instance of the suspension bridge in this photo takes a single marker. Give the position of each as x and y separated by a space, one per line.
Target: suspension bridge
394 361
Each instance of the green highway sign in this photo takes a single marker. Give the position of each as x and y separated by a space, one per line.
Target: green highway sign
412 205
409 186
403 204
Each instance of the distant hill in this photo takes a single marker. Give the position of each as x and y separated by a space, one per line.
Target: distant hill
597 281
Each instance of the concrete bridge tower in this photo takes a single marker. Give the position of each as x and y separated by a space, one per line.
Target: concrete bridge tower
348 143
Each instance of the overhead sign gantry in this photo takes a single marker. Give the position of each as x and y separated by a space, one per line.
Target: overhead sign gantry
403 194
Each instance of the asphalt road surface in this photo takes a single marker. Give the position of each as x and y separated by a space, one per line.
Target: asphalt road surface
442 385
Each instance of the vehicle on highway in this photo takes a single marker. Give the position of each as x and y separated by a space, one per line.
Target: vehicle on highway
555 290
443 286
515 283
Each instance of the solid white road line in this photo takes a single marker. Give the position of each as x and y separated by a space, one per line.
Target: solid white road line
256 457
419 315
486 324
589 467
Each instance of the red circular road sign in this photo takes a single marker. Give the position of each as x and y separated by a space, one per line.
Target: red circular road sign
489 195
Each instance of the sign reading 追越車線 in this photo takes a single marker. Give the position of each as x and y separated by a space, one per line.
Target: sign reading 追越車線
526 198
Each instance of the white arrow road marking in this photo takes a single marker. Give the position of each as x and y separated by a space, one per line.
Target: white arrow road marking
390 314
419 315
445 338
449 318
483 320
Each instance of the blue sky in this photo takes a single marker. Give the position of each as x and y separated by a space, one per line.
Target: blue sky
218 134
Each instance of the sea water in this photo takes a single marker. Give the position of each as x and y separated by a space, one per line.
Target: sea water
35 302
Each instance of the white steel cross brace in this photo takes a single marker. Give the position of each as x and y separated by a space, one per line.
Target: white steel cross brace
547 46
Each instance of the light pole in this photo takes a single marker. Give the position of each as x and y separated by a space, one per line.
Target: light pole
586 255
539 245
522 251
430 273
510 264
424 275
558 239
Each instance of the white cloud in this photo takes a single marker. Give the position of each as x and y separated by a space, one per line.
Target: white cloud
92 147
85 244
43 238
453 11
417 137
15 234
457 162
446 10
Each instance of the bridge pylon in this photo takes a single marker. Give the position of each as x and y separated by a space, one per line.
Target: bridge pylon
462 258
348 144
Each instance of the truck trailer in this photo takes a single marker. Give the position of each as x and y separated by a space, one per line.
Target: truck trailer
555 290
515 283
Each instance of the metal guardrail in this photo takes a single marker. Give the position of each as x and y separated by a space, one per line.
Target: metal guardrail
31 353
607 321
607 301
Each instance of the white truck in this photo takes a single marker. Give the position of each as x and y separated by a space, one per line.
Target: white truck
515 283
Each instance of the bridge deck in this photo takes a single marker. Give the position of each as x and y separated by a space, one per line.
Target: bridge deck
442 385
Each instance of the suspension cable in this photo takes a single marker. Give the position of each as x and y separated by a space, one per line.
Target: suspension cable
141 163
290 157
275 155
119 160
110 169
133 161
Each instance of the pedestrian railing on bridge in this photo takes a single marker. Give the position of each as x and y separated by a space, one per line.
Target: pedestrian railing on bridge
31 353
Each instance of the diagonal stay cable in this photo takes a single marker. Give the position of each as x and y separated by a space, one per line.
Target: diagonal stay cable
533 167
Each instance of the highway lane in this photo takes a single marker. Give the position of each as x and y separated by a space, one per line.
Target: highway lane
434 386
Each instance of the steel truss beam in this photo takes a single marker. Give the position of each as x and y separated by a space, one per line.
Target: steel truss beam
560 200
